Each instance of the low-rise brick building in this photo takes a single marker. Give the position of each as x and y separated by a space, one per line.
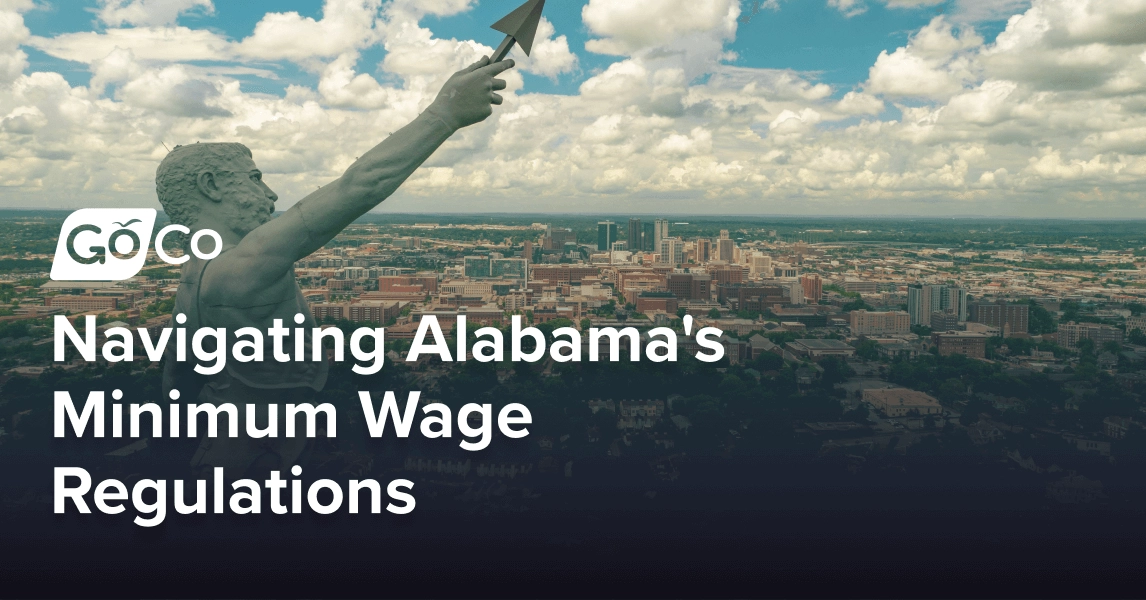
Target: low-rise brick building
973 345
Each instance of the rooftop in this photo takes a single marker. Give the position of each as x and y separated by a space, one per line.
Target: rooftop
899 397
80 285
817 344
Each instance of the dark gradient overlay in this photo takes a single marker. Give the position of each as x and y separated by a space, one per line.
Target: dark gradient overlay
767 512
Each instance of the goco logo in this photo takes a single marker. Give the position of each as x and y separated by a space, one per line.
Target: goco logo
110 244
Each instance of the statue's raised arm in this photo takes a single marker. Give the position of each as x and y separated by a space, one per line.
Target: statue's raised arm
218 187
251 283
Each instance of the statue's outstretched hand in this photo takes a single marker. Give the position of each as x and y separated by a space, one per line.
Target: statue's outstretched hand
271 249
469 95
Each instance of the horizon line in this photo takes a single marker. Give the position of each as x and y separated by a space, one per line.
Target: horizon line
689 215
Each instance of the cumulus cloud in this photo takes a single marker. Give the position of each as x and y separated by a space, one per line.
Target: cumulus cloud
934 63
859 103
149 12
550 55
346 25
987 104
13 33
1054 108
626 26
440 8
791 126
1081 45
975 11
849 8
160 44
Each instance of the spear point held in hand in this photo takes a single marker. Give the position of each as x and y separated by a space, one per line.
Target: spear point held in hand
519 27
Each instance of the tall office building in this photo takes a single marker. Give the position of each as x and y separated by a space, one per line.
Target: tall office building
703 250
606 235
672 251
916 304
954 301
922 300
648 237
813 287
636 233
660 232
724 247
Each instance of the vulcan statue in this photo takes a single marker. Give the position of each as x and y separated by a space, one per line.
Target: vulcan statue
217 186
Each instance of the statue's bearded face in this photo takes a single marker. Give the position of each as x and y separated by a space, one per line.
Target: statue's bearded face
247 202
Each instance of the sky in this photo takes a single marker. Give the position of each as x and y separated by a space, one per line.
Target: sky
1028 108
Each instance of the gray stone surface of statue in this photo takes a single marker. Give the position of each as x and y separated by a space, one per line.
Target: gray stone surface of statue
251 283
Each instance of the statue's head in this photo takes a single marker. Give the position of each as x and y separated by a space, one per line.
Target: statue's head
214 185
